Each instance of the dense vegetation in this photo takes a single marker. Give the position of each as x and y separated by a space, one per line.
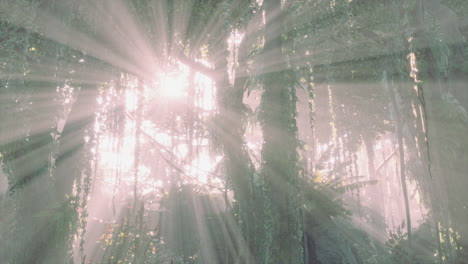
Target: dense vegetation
308 131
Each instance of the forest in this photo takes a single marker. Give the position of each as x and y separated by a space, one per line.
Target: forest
233 131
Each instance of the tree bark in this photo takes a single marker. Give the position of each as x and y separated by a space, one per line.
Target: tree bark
282 216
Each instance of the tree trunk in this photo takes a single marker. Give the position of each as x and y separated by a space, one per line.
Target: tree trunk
393 93
239 168
279 174
72 140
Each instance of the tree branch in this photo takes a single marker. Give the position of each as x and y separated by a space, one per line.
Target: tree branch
194 65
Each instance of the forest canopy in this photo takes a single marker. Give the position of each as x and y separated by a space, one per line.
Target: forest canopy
233 131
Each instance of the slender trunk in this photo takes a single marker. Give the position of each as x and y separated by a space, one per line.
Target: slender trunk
399 133
136 154
376 190
356 174
403 181
428 93
72 140
240 164
369 144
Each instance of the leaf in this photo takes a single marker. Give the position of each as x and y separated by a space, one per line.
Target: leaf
356 185
318 176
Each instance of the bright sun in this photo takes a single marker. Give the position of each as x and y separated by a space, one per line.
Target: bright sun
173 84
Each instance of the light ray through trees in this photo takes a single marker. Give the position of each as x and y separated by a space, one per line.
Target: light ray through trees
276 131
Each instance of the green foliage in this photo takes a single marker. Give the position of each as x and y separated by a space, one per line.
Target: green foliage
132 241
419 250
320 202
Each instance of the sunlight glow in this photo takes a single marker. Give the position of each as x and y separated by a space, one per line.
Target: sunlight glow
173 84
